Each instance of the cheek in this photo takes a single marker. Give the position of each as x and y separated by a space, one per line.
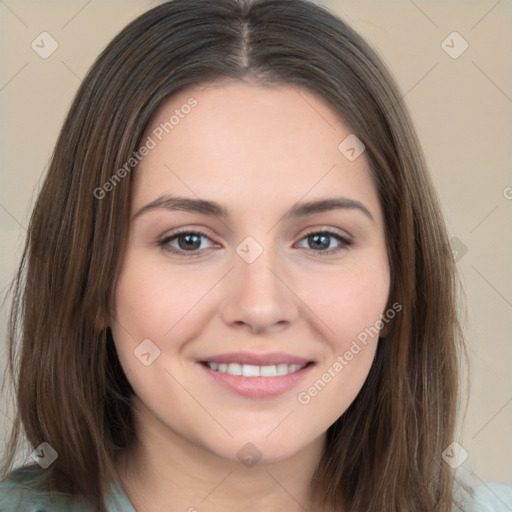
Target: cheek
349 304
153 303
156 313
348 301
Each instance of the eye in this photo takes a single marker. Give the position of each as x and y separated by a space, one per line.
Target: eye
189 243
320 242
186 241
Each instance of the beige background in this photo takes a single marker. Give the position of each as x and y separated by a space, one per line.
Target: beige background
462 109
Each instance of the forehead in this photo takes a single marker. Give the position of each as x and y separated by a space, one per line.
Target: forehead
237 141
240 115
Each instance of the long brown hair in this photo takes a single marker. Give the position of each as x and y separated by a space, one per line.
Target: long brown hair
384 452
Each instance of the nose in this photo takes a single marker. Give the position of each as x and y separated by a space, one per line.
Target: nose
258 296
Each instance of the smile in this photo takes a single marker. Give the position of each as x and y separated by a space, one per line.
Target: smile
250 370
256 376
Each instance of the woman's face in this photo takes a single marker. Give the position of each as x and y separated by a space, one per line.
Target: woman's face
265 278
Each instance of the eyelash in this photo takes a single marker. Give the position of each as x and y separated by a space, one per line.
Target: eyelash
163 243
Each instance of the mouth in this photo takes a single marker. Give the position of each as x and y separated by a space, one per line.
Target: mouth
251 370
257 376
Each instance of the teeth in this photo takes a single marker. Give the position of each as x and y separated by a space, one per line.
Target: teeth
250 370
268 371
234 369
282 369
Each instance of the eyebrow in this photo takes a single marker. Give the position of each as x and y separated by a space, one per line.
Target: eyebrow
211 208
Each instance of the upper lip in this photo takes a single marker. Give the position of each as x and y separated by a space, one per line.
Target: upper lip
269 359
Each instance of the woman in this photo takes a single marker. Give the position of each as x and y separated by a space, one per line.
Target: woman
237 288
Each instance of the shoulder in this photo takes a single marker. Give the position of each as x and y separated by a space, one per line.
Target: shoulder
495 497
476 496
24 491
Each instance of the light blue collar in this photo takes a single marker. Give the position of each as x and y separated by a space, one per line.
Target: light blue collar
118 500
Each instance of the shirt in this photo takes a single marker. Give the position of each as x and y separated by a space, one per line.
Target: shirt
27 496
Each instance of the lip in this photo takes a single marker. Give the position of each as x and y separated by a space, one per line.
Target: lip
257 387
257 359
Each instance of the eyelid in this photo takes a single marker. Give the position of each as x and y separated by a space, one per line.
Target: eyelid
164 240
326 229
345 241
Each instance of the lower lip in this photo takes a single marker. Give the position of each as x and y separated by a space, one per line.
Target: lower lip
258 387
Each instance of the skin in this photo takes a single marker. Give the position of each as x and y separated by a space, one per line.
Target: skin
257 151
